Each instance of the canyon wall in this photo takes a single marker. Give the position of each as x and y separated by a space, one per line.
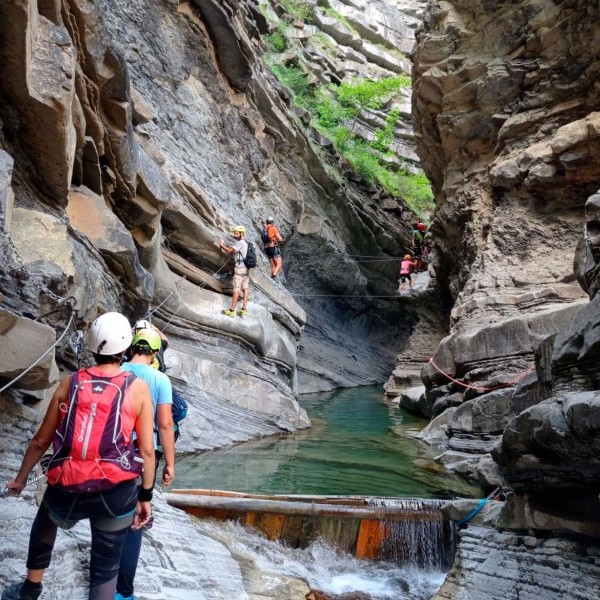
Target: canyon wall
506 117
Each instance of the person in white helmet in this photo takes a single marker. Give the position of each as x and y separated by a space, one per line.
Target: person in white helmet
93 468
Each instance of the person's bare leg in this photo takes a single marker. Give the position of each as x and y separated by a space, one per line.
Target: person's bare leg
234 300
272 263
278 266
35 575
245 293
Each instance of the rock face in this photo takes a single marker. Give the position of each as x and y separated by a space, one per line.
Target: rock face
506 116
134 136
505 565
500 118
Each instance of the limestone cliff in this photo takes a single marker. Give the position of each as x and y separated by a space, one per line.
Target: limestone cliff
134 136
506 117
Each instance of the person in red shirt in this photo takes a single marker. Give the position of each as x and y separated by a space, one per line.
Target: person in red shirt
407 266
272 249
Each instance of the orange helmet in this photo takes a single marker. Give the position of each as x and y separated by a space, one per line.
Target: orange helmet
421 226
407 257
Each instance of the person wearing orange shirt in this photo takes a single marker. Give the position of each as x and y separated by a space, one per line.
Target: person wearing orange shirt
272 249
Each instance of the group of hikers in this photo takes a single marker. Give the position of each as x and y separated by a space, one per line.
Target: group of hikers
244 258
415 262
109 426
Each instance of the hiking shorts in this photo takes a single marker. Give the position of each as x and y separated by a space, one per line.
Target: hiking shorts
241 281
273 252
404 277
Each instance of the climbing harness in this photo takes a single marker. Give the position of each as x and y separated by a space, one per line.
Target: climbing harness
480 388
479 507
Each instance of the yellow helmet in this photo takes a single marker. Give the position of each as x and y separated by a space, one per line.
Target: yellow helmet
239 229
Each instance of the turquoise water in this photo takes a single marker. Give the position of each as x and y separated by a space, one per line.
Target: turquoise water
358 444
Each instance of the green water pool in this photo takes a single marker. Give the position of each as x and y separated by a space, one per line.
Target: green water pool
359 443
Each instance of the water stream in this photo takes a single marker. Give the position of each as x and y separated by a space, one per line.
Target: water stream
359 444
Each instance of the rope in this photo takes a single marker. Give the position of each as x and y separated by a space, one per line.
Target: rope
478 508
479 387
42 356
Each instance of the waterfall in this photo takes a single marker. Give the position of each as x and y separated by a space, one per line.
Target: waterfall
413 532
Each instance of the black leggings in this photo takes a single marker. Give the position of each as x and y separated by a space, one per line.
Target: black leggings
110 514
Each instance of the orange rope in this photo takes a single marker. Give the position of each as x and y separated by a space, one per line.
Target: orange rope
478 387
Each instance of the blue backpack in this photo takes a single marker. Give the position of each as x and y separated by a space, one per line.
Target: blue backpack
179 408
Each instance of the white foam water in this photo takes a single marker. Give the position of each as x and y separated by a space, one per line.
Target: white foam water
325 568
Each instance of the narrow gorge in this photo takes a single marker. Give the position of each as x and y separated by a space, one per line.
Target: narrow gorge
135 135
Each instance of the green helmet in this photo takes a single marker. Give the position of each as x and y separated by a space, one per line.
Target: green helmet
147 337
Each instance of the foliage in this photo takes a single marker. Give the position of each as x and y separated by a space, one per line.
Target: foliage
334 110
297 9
384 137
359 94
294 78
276 41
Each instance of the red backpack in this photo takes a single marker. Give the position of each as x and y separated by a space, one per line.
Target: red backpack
93 445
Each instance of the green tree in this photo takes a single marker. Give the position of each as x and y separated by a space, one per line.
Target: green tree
384 137
360 94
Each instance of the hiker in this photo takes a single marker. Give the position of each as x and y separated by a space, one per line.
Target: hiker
241 278
179 405
164 344
144 348
418 241
406 268
271 239
91 476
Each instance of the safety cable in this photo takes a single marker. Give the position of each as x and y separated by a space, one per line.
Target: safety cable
478 387
478 508
23 373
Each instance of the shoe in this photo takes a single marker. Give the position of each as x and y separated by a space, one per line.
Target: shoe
229 312
15 592
121 597
242 312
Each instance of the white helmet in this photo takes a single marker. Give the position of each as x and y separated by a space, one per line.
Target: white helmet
142 324
109 334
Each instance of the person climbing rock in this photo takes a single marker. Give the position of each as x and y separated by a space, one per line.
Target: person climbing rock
418 242
144 348
271 239
91 475
241 277
407 265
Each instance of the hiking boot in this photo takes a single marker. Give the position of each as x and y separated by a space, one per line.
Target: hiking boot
15 592
229 312
121 597
242 312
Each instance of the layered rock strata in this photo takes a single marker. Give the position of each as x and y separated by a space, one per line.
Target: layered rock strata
506 116
500 116
134 135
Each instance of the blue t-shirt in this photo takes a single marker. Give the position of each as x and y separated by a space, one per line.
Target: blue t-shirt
159 384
